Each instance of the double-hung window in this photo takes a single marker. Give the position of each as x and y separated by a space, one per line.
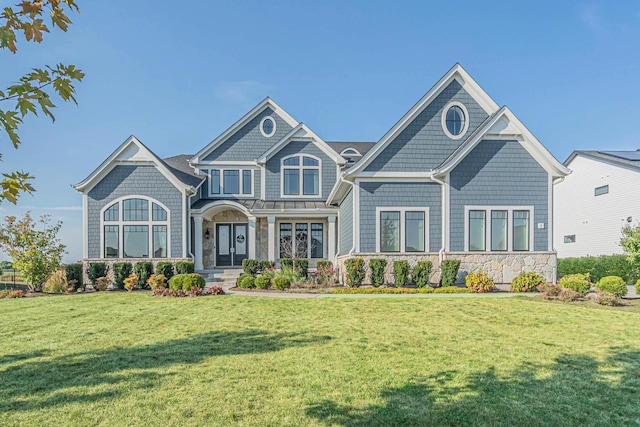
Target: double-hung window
300 176
498 228
402 229
231 182
301 239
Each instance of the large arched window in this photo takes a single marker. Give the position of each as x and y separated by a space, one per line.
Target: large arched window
135 227
301 176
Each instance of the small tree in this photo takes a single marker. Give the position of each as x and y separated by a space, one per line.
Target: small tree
35 252
630 242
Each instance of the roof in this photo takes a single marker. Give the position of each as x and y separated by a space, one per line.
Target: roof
362 147
179 166
268 205
625 158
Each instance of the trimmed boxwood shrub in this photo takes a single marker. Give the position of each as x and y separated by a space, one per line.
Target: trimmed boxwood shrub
186 282
449 271
185 267
281 283
144 270
250 266
377 266
263 282
248 282
527 282
613 284
599 267
74 272
266 265
576 282
301 267
95 270
121 270
286 263
421 273
175 284
165 268
401 272
355 271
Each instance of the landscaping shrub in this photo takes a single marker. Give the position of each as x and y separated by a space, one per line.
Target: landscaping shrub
607 298
95 270
240 278
569 295
248 282
427 290
527 282
130 282
324 263
121 270
281 283
549 290
377 266
267 265
192 281
157 281
301 268
448 272
576 282
452 290
478 281
286 263
185 267
599 267
263 282
102 283
144 270
355 271
325 273
175 283
421 273
56 283
638 287
195 292
12 294
73 272
250 266
401 272
165 268
612 284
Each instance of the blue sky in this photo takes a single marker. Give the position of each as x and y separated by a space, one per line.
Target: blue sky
177 74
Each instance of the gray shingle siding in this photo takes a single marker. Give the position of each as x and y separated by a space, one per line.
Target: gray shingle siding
126 180
499 173
346 224
272 174
410 194
423 145
248 143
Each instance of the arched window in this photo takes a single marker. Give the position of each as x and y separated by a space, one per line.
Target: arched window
135 227
350 152
301 176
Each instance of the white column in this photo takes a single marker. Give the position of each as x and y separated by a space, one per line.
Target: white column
197 252
271 237
331 239
252 236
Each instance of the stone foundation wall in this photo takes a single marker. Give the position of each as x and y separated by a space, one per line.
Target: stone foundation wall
133 261
501 267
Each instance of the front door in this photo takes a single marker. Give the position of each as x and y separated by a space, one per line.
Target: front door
231 244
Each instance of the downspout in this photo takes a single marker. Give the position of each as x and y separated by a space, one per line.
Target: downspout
444 212
353 236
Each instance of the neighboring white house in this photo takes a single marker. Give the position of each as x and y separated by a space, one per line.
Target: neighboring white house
594 202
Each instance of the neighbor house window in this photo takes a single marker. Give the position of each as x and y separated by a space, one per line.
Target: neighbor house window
142 232
231 182
401 229
489 229
301 246
602 190
570 238
300 176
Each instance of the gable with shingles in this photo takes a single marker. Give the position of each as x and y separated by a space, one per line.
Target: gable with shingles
248 143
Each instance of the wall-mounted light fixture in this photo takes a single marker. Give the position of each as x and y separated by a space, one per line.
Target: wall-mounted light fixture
207 234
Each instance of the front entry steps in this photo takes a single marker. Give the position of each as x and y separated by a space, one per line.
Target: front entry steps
225 277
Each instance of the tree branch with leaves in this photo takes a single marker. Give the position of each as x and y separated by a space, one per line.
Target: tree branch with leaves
31 94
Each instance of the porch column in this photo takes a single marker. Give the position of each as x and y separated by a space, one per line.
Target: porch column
252 236
197 252
271 237
331 239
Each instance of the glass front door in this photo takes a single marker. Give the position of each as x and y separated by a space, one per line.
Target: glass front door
231 244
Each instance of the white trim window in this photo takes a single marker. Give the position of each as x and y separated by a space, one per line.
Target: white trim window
455 120
268 126
498 228
231 182
135 227
403 229
309 241
300 176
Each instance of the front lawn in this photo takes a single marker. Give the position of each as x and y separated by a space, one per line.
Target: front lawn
130 359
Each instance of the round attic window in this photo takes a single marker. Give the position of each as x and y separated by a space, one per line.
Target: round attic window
455 120
268 126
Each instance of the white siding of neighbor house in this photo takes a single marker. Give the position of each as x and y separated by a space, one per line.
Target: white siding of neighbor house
596 221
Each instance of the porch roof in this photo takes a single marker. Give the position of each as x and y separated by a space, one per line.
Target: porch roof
270 205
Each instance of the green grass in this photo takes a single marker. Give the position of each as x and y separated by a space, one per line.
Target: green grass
129 359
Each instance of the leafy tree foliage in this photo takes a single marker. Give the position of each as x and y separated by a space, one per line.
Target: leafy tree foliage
630 241
31 93
33 246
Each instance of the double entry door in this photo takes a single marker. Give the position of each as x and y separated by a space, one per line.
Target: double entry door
231 244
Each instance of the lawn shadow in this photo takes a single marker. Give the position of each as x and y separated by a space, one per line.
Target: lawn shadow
13 358
44 383
572 390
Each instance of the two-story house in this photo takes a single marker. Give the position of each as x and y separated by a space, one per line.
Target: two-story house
456 177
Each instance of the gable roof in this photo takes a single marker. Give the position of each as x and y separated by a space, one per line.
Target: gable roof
362 147
181 168
132 151
301 131
255 111
623 158
455 73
